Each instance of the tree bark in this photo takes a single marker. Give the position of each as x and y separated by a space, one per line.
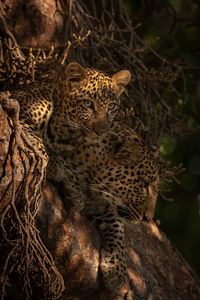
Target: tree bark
155 267
45 253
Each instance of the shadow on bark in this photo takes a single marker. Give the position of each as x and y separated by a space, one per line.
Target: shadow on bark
43 249
45 254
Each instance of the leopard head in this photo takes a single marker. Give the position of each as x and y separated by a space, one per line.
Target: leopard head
91 99
125 173
137 180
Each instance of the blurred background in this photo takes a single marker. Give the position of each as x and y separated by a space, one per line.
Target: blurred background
173 28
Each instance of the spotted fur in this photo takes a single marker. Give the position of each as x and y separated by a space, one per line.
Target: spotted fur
119 175
58 113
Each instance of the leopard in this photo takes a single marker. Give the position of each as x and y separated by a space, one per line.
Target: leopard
58 112
119 175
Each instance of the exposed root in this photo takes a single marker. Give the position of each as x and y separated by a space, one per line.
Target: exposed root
27 256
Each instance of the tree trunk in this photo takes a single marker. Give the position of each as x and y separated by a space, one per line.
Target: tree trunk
156 269
45 253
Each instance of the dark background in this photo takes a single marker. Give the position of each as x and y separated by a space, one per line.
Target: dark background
177 25
172 28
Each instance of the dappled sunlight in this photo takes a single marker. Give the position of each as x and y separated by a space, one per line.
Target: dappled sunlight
155 231
138 280
135 257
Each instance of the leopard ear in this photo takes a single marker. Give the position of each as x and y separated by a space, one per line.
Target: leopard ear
120 80
127 152
75 72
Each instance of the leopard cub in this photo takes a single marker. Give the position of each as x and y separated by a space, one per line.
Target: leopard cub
58 113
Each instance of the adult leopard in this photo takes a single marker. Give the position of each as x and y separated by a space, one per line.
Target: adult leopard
119 175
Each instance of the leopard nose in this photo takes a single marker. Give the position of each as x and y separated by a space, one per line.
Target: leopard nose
101 125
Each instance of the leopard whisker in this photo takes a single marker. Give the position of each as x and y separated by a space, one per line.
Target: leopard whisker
88 130
111 198
103 184
74 125
117 200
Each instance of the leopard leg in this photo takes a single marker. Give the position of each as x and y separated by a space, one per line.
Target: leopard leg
60 170
113 254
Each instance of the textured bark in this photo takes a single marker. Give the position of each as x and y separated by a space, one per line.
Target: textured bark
35 23
26 266
156 269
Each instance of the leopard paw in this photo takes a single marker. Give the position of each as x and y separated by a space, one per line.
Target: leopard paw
114 272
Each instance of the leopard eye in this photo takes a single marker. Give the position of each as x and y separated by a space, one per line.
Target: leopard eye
111 105
88 103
